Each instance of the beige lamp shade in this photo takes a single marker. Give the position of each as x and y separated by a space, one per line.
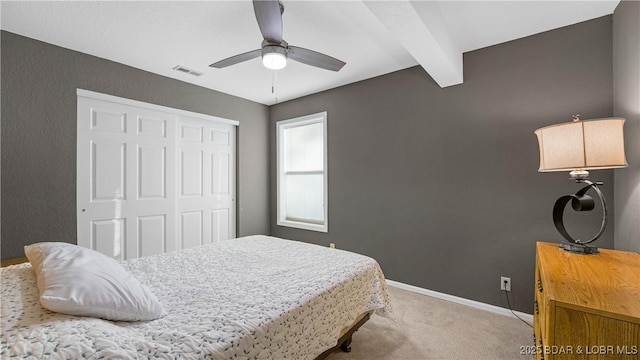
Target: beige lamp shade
582 145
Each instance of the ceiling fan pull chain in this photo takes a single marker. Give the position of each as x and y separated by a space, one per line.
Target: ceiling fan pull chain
274 78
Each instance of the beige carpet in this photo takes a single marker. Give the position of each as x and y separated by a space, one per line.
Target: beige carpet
430 328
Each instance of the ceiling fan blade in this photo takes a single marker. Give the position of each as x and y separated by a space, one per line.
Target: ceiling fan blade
237 59
269 19
314 58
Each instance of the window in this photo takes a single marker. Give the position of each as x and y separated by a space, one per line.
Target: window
302 172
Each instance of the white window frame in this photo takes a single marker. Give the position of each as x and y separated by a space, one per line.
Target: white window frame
281 126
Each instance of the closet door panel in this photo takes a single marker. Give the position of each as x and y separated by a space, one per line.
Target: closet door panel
125 181
207 178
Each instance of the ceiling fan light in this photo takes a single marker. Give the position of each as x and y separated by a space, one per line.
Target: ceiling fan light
274 57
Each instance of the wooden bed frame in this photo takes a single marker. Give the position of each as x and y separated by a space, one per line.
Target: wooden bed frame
343 343
13 261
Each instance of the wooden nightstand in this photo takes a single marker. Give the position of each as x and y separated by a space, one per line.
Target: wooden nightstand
586 306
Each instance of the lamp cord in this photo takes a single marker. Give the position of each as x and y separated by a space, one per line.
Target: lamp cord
506 293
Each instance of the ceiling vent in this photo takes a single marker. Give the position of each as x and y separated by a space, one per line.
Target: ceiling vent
185 70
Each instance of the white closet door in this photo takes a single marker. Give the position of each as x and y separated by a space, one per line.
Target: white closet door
152 179
125 179
206 182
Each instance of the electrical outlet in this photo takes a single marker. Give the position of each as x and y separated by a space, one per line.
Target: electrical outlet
505 283
332 245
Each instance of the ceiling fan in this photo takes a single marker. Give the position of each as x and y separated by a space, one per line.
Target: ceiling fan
274 50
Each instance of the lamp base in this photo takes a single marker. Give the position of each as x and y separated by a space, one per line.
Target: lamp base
579 202
579 248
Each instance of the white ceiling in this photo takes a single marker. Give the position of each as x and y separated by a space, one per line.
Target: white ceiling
372 37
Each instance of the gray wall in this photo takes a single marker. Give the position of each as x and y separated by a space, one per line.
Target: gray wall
39 83
441 185
626 103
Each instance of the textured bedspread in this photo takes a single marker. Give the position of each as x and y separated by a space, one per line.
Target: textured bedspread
256 297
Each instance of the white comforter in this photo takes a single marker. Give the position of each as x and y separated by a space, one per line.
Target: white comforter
250 298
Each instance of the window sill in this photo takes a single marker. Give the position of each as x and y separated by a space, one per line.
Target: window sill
303 225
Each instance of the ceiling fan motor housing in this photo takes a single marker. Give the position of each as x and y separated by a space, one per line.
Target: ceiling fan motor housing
271 49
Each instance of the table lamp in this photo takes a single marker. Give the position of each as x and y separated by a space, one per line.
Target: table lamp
579 146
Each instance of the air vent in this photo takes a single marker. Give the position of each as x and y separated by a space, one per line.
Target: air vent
187 70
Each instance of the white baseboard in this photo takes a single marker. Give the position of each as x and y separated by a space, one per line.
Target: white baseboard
459 300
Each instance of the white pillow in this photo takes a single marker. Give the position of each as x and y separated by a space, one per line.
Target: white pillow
79 281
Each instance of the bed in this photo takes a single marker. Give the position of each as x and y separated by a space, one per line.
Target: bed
256 297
